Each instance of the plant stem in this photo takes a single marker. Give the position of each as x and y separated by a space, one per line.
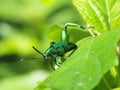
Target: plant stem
105 81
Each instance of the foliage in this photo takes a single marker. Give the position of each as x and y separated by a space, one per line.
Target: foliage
103 15
95 64
23 24
23 82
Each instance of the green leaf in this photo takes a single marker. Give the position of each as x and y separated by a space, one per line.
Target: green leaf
116 88
104 15
105 83
84 69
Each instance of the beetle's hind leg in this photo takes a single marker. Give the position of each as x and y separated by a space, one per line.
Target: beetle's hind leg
72 52
74 25
71 47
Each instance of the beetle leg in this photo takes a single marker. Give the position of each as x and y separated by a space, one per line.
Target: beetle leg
55 60
65 35
72 52
74 25
52 64
71 47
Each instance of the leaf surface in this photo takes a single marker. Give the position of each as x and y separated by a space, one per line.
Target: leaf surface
84 69
104 15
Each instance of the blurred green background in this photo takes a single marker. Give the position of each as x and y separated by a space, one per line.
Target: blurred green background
27 23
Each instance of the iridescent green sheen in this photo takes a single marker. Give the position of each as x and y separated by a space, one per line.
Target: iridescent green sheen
59 49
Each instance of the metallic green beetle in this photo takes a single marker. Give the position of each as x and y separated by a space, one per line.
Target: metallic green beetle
59 49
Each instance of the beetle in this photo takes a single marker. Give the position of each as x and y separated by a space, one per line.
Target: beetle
59 49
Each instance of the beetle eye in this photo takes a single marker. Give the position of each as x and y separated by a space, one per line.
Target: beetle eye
52 44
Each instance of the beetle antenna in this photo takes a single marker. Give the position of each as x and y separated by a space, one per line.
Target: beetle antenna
28 58
38 51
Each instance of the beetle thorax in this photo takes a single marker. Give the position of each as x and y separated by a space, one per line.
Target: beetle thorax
55 49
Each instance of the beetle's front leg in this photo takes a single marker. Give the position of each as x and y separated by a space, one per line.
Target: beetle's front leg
55 60
52 64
